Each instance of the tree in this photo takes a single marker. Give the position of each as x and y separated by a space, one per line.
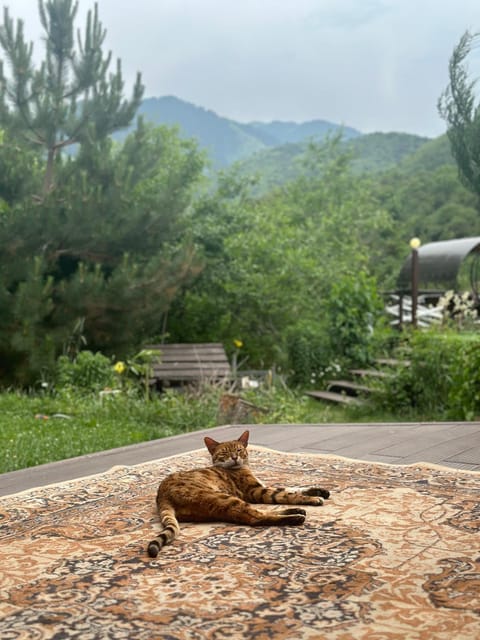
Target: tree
457 106
106 250
271 262
99 256
71 98
20 170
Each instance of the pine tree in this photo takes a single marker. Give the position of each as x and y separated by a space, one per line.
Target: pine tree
457 107
104 245
71 98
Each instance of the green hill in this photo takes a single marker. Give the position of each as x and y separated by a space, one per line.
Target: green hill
371 153
429 157
292 132
228 141
375 152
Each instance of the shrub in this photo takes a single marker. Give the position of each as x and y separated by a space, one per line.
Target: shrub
464 392
343 337
308 356
442 380
88 371
352 310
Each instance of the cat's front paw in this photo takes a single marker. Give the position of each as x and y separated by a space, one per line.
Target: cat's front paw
317 491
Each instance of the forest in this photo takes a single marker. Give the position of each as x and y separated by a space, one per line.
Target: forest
109 243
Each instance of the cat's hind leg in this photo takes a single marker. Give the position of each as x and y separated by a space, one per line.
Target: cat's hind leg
231 509
285 517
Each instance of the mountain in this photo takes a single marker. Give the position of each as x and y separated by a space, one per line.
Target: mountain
371 153
272 151
226 140
291 132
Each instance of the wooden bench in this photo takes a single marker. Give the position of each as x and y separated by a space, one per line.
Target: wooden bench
180 364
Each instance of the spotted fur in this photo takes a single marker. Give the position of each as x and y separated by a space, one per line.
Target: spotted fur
224 492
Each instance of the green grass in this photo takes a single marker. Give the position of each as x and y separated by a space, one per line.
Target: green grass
95 424
92 425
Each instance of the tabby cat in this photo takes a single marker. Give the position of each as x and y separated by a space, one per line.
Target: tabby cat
223 492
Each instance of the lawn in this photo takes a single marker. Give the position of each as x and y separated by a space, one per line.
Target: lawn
40 428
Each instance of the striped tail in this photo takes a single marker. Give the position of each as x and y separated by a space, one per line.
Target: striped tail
170 529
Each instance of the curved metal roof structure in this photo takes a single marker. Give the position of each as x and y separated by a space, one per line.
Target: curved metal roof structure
439 264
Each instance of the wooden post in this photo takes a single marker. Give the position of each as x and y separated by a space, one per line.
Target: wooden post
414 244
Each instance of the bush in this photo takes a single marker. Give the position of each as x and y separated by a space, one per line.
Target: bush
443 379
342 338
353 309
464 392
308 357
88 371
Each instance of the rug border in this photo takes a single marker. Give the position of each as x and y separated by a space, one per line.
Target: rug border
321 456
410 465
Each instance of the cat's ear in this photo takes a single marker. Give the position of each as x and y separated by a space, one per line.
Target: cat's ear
244 438
211 444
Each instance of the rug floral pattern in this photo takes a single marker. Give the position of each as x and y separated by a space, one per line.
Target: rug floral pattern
394 554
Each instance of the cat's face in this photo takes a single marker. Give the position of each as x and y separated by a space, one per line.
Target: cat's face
229 455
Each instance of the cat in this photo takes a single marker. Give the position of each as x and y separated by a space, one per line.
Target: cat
224 493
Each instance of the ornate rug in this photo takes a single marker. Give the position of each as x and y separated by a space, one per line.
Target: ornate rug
394 554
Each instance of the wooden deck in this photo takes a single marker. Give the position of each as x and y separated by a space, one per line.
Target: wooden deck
451 444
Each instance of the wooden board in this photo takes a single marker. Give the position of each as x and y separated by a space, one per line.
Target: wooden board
190 362
392 362
373 373
346 386
333 397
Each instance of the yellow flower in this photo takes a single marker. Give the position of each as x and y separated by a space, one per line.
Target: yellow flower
238 344
119 367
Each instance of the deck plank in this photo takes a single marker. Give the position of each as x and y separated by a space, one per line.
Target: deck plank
443 444
470 455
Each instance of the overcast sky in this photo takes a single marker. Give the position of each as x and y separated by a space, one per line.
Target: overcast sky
376 65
